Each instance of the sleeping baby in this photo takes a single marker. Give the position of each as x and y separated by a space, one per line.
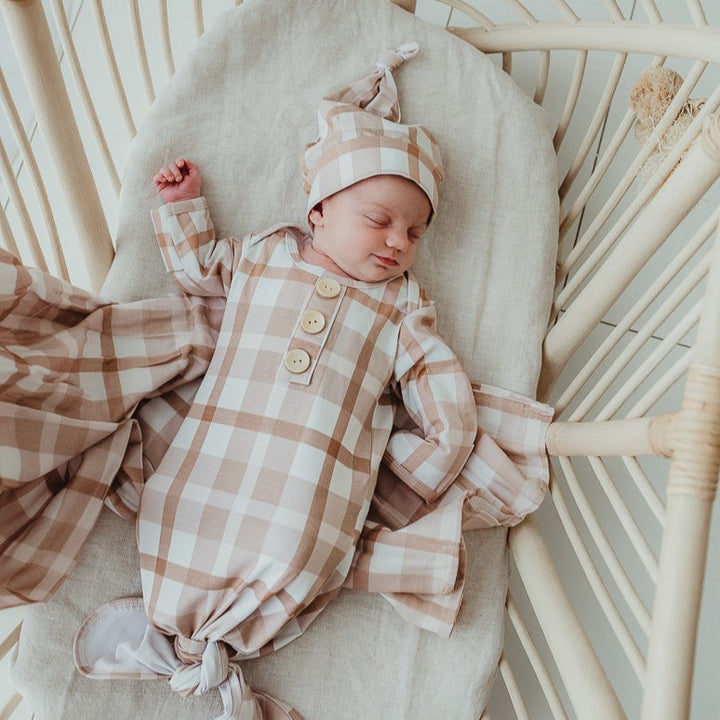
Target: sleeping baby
248 527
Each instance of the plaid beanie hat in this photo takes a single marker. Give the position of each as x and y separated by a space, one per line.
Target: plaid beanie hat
360 136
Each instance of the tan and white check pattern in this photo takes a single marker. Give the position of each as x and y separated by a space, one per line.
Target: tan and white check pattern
249 525
258 504
412 551
73 367
360 136
97 396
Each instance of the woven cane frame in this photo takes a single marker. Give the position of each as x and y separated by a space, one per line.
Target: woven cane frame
608 581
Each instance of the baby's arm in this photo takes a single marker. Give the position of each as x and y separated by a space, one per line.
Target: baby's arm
437 395
179 180
200 264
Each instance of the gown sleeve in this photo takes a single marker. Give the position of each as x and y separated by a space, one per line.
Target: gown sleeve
437 395
199 262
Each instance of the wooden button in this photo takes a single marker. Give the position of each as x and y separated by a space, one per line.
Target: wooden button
328 288
312 322
297 361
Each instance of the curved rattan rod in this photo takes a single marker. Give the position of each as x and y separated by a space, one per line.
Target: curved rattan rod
645 332
651 11
63 27
622 187
31 239
165 38
622 633
8 644
687 251
623 393
566 10
6 234
691 488
690 180
593 129
609 155
645 488
507 63
697 13
624 637
543 73
706 350
635 436
408 5
614 10
472 13
199 20
672 375
521 10
626 36
446 24
536 662
697 460
10 640
571 99
643 483
606 414
10 706
601 163
30 35
111 63
140 51
31 165
631 528
643 435
574 655
513 690
644 370
599 537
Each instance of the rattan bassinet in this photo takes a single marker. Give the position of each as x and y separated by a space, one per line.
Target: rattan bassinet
604 609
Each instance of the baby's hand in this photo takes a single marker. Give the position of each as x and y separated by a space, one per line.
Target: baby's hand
180 180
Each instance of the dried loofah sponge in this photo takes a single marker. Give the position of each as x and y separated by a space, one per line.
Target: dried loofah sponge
650 98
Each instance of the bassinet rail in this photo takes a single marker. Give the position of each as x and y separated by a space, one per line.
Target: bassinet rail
605 602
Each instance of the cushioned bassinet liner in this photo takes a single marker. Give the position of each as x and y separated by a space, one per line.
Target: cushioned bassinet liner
359 658
174 344
254 82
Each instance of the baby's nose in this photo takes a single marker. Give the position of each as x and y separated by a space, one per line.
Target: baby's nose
397 239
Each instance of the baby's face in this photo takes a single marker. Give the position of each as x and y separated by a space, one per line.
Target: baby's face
370 231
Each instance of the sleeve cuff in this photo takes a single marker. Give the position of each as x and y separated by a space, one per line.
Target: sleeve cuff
183 206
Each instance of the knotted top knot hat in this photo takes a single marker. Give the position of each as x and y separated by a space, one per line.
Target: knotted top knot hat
360 136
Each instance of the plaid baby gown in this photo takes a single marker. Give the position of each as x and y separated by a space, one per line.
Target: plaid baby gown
248 527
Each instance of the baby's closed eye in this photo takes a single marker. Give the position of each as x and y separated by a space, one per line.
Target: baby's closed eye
377 220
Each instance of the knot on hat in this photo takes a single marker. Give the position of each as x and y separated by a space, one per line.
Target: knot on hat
206 666
376 93
392 59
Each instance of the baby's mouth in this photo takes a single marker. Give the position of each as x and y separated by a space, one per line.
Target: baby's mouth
387 261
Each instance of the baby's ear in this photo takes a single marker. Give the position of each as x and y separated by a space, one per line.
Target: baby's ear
316 215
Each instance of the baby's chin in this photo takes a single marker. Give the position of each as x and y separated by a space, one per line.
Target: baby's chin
378 274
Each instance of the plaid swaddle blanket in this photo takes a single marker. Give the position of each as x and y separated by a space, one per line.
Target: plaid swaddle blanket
409 547
73 369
